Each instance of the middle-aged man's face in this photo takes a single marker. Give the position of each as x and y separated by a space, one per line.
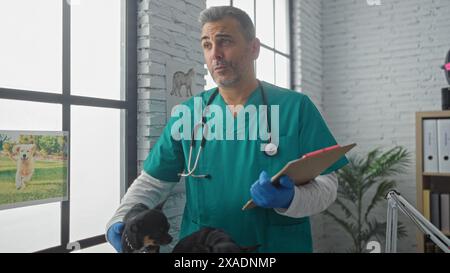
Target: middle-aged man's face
228 55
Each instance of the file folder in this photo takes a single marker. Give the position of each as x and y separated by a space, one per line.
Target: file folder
430 149
443 126
435 210
426 204
445 213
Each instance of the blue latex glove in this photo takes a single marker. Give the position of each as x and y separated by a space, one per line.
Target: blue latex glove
266 195
114 235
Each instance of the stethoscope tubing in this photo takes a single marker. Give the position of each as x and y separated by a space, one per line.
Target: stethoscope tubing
190 171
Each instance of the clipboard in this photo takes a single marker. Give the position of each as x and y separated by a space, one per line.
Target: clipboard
308 167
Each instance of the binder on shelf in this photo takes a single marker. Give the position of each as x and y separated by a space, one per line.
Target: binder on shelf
435 212
430 149
433 172
445 213
429 247
443 127
426 204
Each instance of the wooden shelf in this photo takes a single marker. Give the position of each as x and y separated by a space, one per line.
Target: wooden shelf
435 174
433 114
427 180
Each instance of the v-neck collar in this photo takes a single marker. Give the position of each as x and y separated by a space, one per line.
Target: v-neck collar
255 99
256 94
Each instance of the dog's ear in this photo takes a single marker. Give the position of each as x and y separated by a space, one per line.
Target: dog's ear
135 227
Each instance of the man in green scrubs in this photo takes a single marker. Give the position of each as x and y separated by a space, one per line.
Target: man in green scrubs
238 169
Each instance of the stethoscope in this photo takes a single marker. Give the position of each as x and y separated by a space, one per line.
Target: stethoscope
270 149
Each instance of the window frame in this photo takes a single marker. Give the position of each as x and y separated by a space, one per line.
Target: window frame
129 105
289 56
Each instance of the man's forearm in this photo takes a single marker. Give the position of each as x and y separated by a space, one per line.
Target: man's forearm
312 198
146 190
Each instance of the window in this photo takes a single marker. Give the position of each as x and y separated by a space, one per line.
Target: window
31 48
96 54
271 19
72 68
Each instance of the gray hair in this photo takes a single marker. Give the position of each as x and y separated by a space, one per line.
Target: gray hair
214 14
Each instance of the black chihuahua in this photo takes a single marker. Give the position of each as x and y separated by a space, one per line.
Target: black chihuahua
145 229
210 240
148 229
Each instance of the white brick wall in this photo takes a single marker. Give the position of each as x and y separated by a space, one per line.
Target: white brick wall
308 77
167 30
380 66
307 48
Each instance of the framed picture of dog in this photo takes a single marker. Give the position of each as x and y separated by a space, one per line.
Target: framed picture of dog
33 168
181 84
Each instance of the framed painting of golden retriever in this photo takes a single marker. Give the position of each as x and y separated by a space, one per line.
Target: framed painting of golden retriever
33 168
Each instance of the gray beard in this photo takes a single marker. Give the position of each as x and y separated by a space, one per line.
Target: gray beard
230 82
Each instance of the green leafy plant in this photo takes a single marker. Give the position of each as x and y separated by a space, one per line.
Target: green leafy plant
3 139
363 185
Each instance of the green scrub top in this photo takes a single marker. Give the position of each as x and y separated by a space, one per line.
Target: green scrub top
234 165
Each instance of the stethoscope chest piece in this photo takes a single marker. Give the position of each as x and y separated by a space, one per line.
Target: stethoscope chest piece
270 149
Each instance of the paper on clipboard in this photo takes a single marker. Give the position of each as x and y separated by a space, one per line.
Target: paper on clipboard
304 169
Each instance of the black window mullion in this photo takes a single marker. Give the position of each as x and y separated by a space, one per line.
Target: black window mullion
254 11
131 91
274 43
26 95
254 17
275 50
291 43
65 205
35 96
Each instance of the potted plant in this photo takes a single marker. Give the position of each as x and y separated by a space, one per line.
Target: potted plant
356 198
